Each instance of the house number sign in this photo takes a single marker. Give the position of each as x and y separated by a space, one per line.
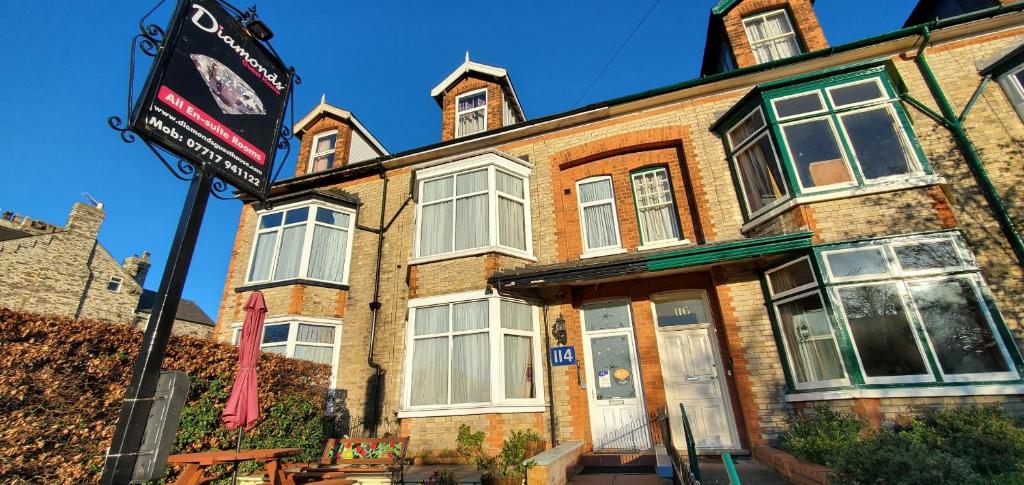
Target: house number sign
563 355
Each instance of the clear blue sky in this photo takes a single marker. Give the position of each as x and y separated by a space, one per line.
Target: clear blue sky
65 70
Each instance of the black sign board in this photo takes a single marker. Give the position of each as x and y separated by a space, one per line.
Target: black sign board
215 96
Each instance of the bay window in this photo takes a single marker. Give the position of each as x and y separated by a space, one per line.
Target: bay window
655 206
469 351
302 241
321 152
471 113
598 217
472 208
826 136
908 310
771 36
313 340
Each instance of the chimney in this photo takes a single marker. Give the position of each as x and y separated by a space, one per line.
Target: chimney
85 219
138 267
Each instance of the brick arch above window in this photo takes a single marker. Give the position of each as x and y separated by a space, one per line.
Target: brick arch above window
634 141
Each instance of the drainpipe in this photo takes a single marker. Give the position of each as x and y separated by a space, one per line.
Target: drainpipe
375 308
955 124
551 386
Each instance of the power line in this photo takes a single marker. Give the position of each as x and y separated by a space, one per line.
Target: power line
617 51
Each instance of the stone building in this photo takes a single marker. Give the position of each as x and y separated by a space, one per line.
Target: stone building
66 271
805 223
188 320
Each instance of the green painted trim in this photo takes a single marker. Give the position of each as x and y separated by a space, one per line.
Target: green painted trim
720 253
1005 64
777 332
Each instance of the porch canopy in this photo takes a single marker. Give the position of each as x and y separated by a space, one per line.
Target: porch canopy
622 266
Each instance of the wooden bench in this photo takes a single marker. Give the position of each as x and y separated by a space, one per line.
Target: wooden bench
369 456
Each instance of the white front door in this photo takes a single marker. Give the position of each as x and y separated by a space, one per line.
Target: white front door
617 417
692 372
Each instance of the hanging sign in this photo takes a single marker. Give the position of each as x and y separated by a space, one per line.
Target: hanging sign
215 96
563 355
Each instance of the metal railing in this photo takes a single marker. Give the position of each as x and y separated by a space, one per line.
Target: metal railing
638 435
690 469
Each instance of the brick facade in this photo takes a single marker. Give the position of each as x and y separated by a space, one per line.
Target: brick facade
672 129
801 15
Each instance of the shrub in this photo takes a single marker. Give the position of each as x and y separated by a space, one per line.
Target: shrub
986 437
821 435
891 456
62 383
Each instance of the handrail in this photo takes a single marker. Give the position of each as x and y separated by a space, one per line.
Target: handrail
730 468
691 446
628 434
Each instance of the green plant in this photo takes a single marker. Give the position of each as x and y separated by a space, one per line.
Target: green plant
891 456
511 460
440 476
822 435
984 436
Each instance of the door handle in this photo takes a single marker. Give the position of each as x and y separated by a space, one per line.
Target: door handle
692 378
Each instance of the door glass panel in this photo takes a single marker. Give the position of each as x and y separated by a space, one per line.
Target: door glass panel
957 327
809 340
613 367
681 312
857 263
881 331
604 316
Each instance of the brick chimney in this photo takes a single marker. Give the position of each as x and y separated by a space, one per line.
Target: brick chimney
86 219
474 98
138 267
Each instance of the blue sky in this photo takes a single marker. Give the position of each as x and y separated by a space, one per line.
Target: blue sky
65 72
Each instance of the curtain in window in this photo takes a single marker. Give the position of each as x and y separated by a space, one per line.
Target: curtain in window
773 25
792 276
323 355
658 224
290 254
809 338
315 334
760 175
469 316
474 121
429 371
595 191
655 205
327 255
436 229
511 213
599 221
518 367
430 320
471 370
471 230
263 256
516 316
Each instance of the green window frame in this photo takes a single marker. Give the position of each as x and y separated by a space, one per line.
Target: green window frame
839 133
905 311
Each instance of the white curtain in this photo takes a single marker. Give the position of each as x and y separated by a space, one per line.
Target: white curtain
518 367
508 184
263 256
315 334
327 256
773 25
746 128
658 224
469 316
599 221
595 191
429 371
511 223
471 222
475 121
471 370
516 316
290 254
759 180
436 228
431 320
314 353
437 189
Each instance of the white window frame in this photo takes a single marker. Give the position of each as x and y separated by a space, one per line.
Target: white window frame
677 225
120 284
975 283
491 163
798 289
293 331
845 381
604 250
307 242
1014 89
498 403
904 297
313 153
458 112
754 43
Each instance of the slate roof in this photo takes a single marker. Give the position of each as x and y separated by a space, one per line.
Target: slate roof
188 310
6 234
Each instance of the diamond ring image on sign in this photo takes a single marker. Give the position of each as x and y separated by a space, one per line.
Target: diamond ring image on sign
233 95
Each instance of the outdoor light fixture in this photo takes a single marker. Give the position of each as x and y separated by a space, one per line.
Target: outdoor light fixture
259 30
558 331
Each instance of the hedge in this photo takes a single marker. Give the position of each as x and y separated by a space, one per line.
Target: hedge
62 382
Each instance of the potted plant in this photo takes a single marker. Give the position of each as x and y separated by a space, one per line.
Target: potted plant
535 445
440 476
507 468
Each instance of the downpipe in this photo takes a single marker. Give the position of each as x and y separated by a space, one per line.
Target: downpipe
955 124
375 309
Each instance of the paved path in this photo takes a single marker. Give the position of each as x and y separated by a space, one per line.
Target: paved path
713 472
616 479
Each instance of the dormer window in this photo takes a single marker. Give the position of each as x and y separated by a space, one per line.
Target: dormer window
771 36
321 156
471 113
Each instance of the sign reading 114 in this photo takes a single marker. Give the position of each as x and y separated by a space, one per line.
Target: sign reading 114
563 355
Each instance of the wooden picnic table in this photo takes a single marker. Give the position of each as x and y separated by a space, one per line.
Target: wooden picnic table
197 463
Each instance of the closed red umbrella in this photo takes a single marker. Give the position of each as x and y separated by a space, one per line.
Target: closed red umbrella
242 408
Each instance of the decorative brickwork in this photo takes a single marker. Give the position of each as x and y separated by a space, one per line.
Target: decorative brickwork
471 82
801 15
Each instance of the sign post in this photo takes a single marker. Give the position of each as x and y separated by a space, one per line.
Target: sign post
215 97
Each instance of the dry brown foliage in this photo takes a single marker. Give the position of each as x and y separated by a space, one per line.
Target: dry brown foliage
62 382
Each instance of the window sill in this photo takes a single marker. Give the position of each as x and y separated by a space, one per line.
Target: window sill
294 281
663 244
924 391
845 193
473 252
602 252
488 409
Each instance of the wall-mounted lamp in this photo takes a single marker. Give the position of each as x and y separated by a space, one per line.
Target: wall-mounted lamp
254 25
558 331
